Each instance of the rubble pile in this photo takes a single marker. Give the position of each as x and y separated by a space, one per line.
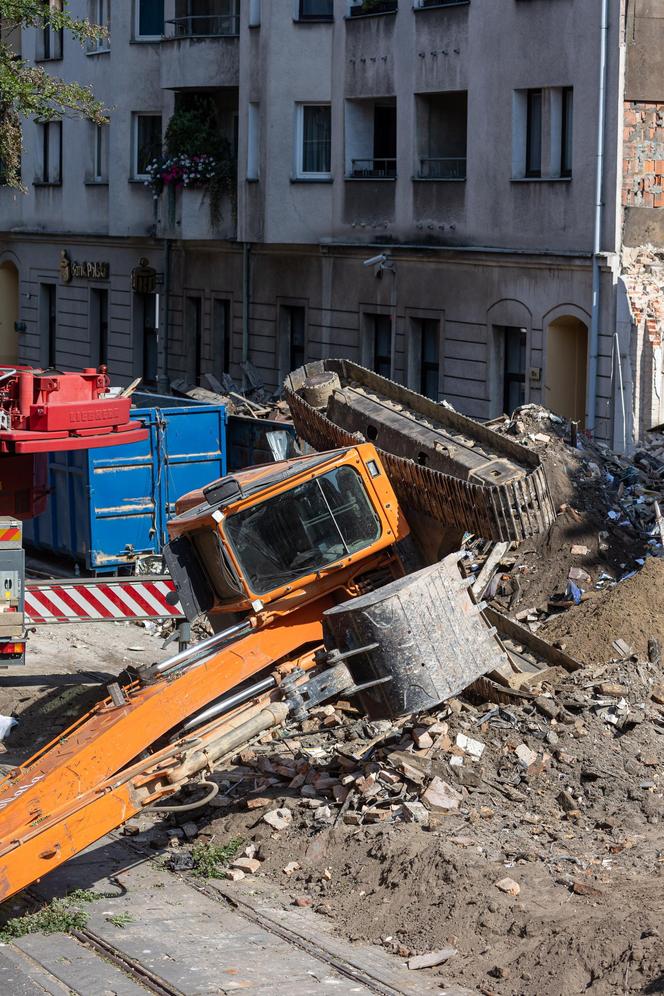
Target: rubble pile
253 400
534 819
609 521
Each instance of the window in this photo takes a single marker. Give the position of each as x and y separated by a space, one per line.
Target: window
377 353
146 142
149 15
254 13
48 322
194 336
99 171
146 337
100 14
303 530
253 142
442 135
427 331
371 139
514 369
294 317
99 326
49 134
314 140
221 335
363 7
49 39
534 133
567 100
542 133
316 10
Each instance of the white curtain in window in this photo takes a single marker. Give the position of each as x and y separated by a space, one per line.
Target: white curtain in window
316 135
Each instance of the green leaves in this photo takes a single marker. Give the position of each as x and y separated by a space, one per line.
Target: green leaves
32 91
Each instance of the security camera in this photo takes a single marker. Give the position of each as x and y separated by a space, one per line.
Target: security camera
376 260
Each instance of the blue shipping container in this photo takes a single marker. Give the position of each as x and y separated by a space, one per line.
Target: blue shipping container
109 505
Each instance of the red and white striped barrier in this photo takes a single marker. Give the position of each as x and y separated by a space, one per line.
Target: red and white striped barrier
99 601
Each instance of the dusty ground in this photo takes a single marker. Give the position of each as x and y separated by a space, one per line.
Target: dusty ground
67 670
579 830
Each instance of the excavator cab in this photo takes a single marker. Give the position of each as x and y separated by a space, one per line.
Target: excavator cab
278 534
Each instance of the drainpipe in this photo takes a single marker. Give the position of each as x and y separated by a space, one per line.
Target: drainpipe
246 298
597 235
165 377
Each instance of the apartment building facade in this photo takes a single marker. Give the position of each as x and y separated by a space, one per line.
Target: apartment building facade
442 191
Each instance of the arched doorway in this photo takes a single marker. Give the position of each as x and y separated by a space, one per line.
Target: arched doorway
566 365
8 314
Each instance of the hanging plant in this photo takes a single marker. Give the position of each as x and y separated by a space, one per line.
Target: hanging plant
196 155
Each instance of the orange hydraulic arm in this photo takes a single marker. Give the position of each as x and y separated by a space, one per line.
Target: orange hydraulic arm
118 759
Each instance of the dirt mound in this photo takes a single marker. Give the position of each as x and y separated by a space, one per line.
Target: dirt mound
633 611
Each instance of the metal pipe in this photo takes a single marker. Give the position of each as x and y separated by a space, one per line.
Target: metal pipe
187 656
230 702
165 380
246 301
622 393
273 715
593 345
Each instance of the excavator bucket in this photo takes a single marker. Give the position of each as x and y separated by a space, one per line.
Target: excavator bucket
421 637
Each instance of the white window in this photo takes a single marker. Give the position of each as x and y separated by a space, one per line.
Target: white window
253 142
149 19
99 171
254 13
146 143
100 14
49 152
313 152
542 133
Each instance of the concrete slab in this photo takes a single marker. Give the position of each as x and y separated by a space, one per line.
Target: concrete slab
20 976
77 967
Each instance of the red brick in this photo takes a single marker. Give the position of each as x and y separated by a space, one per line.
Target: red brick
658 201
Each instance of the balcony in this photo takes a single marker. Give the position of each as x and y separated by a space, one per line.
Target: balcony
185 214
373 169
200 50
445 168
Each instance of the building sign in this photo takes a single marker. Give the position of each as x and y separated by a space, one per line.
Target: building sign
85 270
144 277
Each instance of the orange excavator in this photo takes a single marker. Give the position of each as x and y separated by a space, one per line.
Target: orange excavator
306 571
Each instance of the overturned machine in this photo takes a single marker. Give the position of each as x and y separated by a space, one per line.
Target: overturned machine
447 469
307 571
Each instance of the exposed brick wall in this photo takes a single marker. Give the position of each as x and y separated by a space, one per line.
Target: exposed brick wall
643 152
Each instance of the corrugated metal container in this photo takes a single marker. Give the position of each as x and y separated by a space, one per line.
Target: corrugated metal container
110 505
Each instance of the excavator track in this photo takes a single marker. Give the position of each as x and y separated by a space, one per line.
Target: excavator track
466 476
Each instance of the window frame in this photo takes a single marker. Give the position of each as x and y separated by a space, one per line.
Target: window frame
99 46
137 26
566 132
136 115
534 172
100 154
300 172
53 50
45 161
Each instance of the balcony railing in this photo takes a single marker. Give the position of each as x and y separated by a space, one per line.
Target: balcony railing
373 169
206 26
443 169
374 7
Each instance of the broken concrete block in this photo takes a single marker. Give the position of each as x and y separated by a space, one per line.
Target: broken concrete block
525 755
579 551
279 819
508 886
258 803
190 830
431 959
423 739
415 812
235 874
291 867
440 795
473 747
247 865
